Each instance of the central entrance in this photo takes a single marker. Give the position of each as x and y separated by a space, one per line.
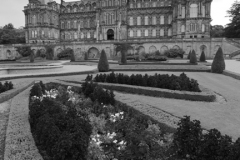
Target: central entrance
110 34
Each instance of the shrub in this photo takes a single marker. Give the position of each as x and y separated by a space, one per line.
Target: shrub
25 51
182 82
188 57
85 56
49 52
6 86
174 53
123 57
218 65
103 65
36 90
38 54
72 56
202 57
193 57
32 57
65 54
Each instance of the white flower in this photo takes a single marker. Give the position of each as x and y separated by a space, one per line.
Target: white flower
115 141
121 113
119 148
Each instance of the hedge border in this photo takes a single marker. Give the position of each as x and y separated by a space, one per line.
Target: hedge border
19 143
206 95
158 63
5 96
232 74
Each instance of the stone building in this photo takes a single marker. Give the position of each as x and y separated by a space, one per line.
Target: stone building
116 20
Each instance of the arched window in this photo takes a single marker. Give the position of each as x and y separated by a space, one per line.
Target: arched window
169 32
138 20
75 10
183 28
203 27
169 19
193 10
161 32
154 34
162 19
146 20
139 33
146 33
131 33
131 21
138 5
154 21
154 4
131 5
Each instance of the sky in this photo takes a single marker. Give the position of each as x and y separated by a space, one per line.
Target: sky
11 11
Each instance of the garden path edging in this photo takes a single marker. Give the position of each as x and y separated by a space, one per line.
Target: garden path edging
19 143
231 74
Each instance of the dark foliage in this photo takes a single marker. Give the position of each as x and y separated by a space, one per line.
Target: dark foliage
65 54
32 57
218 64
202 57
182 82
11 35
25 51
193 57
174 53
49 52
6 86
154 57
188 57
123 48
97 93
103 65
61 133
192 143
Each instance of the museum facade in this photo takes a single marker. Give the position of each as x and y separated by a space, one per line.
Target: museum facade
116 20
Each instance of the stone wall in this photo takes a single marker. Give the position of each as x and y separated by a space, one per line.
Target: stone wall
93 49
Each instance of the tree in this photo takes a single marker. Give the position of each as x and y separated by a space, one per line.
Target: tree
123 48
193 57
10 35
218 65
103 65
31 57
8 26
49 52
25 51
233 28
188 57
72 56
217 31
202 57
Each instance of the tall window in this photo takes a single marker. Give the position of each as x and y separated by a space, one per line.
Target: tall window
68 24
154 33
169 19
193 27
131 33
82 35
138 5
131 21
203 11
162 19
154 20
182 28
75 24
146 20
203 27
75 10
169 32
146 33
75 35
62 25
154 4
138 20
139 33
193 10
88 35
161 32
183 12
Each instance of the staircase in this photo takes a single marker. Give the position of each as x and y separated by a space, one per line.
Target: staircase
236 43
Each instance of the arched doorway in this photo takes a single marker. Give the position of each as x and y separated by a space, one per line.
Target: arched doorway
93 53
152 50
110 34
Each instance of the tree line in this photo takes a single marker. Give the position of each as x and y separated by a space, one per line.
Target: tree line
11 35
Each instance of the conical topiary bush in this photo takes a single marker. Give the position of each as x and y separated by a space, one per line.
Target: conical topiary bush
218 65
193 57
202 57
123 57
72 56
103 65
85 56
188 57
32 57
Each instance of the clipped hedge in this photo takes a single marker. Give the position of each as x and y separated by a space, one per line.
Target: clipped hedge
103 65
182 82
218 64
6 86
164 93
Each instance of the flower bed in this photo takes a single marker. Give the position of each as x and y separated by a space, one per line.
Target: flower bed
181 83
62 115
117 131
